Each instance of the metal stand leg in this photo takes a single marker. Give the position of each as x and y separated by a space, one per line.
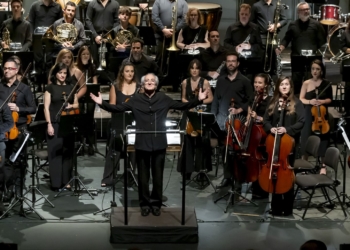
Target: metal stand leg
202 184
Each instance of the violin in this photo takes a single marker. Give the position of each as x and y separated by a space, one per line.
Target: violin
254 136
320 125
13 133
70 111
276 176
189 127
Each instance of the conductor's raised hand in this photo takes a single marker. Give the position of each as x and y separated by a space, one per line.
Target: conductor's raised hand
97 99
203 94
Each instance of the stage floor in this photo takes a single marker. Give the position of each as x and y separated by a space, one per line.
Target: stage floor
72 225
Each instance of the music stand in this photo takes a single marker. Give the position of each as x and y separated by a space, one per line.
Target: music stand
146 33
67 125
201 121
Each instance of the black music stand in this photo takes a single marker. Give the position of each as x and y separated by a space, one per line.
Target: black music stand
94 89
68 125
201 121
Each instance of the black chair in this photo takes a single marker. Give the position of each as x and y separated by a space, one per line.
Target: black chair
311 149
315 181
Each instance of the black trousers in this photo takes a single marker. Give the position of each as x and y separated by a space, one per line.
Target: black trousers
2 164
89 109
150 161
60 154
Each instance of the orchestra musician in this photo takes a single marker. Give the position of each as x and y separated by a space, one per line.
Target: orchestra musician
304 34
6 123
261 81
44 13
233 85
162 16
193 35
196 151
213 57
66 56
124 88
20 30
69 17
150 148
345 47
310 99
282 204
20 70
123 49
24 105
263 14
101 17
85 65
243 36
60 149
143 64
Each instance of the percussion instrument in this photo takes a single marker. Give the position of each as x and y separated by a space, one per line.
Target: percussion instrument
330 14
211 14
334 38
135 18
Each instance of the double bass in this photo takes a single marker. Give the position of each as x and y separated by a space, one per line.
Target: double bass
253 136
276 176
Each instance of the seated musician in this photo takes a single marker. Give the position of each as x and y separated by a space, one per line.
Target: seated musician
213 58
193 36
124 88
196 151
244 36
73 35
233 85
143 64
124 32
150 148
60 149
18 28
22 103
345 47
282 204
310 99
85 65
6 123
261 82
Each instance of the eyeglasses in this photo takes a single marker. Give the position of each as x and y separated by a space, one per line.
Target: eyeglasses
9 68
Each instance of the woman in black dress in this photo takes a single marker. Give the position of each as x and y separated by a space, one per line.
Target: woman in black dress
124 88
282 204
261 81
60 149
193 35
308 98
196 151
85 65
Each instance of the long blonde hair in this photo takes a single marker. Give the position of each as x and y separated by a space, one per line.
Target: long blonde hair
276 96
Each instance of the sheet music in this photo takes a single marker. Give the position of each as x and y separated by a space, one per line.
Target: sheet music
172 138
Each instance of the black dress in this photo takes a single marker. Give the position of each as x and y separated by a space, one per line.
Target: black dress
60 149
114 141
196 151
282 204
306 132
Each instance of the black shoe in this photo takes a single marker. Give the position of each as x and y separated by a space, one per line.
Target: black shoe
145 211
224 183
156 211
91 151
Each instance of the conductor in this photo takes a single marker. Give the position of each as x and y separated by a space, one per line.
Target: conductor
150 110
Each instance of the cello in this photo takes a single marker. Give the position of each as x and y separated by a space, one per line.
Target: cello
320 125
253 135
276 176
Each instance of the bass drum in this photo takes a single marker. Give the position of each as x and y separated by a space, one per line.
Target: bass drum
211 14
334 38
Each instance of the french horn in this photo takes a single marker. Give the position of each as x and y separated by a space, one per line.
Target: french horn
66 32
123 36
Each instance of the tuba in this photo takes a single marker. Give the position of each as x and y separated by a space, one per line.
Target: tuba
66 32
